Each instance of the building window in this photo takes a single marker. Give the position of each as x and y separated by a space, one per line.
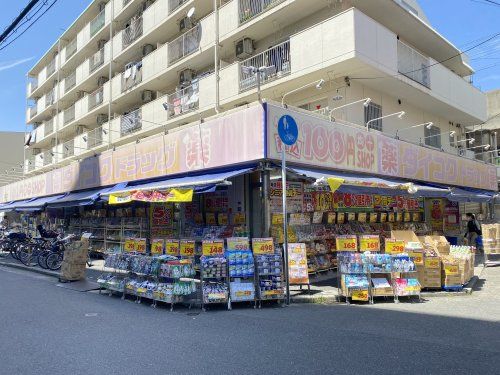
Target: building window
433 137
373 111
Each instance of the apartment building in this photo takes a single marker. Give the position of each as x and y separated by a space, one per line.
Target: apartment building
126 70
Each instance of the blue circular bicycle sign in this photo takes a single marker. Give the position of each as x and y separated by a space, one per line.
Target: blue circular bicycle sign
288 130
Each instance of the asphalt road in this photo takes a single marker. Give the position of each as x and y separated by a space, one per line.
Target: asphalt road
46 329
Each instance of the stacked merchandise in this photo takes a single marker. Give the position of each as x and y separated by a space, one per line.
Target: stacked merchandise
491 238
404 286
111 282
354 277
241 273
458 266
215 287
270 276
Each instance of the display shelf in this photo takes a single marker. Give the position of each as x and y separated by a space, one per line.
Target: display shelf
270 285
215 281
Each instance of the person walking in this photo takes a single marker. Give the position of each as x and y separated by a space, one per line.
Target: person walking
473 230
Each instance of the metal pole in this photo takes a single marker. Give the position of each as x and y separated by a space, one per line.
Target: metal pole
110 71
216 53
259 95
285 222
265 175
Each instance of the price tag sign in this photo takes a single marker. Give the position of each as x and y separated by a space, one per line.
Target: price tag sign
340 218
451 269
399 216
140 245
198 218
129 246
239 218
187 248
383 217
210 218
416 216
432 262
351 216
277 219
407 217
331 218
394 247
213 247
362 217
359 295
318 217
223 219
369 243
346 243
157 246
238 244
373 217
172 248
263 245
417 256
390 217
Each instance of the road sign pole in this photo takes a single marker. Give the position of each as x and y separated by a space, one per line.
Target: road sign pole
285 222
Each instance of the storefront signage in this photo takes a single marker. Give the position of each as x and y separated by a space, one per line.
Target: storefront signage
451 218
222 219
129 246
172 196
362 217
360 295
161 214
297 264
213 247
210 218
140 245
187 248
216 202
172 248
237 243
394 247
157 246
349 149
331 217
369 243
239 218
347 243
277 219
294 193
262 246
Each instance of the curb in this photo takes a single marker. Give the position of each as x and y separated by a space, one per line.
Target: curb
321 300
30 269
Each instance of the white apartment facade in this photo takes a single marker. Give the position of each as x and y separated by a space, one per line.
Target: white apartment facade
126 70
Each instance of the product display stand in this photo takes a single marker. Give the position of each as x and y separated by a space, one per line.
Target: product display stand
270 281
241 275
214 281
353 277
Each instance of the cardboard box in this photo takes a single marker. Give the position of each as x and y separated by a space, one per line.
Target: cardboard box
491 231
432 282
432 263
76 252
404 235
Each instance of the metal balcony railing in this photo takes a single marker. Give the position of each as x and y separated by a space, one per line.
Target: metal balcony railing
96 60
278 58
183 101
132 32
68 148
70 82
69 115
97 23
50 98
96 98
33 85
30 163
413 64
132 75
184 45
174 4
48 127
51 67
33 110
71 49
249 9
94 138
131 122
47 157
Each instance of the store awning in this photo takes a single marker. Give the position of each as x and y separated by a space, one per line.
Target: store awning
13 205
471 195
37 204
82 198
359 184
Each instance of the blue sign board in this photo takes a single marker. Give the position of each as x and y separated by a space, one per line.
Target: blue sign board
288 130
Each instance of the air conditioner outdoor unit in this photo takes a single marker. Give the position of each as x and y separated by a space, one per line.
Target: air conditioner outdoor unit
147 96
244 48
80 129
101 81
186 24
80 94
186 76
147 49
102 118
101 43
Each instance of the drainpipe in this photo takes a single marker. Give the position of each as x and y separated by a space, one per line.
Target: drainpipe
110 72
216 53
56 122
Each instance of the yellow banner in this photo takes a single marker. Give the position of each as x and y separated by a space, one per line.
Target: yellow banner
180 195
120 198
334 183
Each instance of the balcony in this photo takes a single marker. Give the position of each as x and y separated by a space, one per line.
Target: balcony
96 98
96 60
51 68
132 32
47 157
69 115
33 111
50 98
69 82
33 85
48 127
97 23
174 4
68 149
249 9
131 76
131 122
71 49
94 138
277 57
413 64
186 44
183 101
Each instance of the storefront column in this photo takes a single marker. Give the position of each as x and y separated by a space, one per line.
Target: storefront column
266 210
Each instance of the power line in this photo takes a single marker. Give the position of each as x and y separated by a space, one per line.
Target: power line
488 2
18 19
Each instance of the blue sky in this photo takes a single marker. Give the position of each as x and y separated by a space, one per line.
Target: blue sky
463 22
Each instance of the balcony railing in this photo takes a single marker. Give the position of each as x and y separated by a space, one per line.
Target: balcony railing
413 64
50 98
48 127
278 58
174 4
96 60
68 148
183 101
69 115
51 67
131 122
249 9
30 163
97 23
33 110
33 85
132 75
96 98
71 49
70 82
94 138
186 44
132 32
47 157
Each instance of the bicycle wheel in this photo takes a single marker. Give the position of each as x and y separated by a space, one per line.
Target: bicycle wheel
54 261
13 250
42 259
25 255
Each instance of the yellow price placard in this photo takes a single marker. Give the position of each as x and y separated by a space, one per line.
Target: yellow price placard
331 217
432 262
359 295
262 245
129 246
198 218
417 256
340 218
351 216
362 217
157 246
237 243
187 248
383 217
407 217
399 216
373 217
390 217
223 219
347 243
212 247
140 245
394 247
369 243
451 269
210 216
239 218
277 219
172 247
416 216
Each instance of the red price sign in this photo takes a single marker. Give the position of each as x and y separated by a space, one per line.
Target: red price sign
213 248
346 243
187 248
369 243
172 248
394 247
263 245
